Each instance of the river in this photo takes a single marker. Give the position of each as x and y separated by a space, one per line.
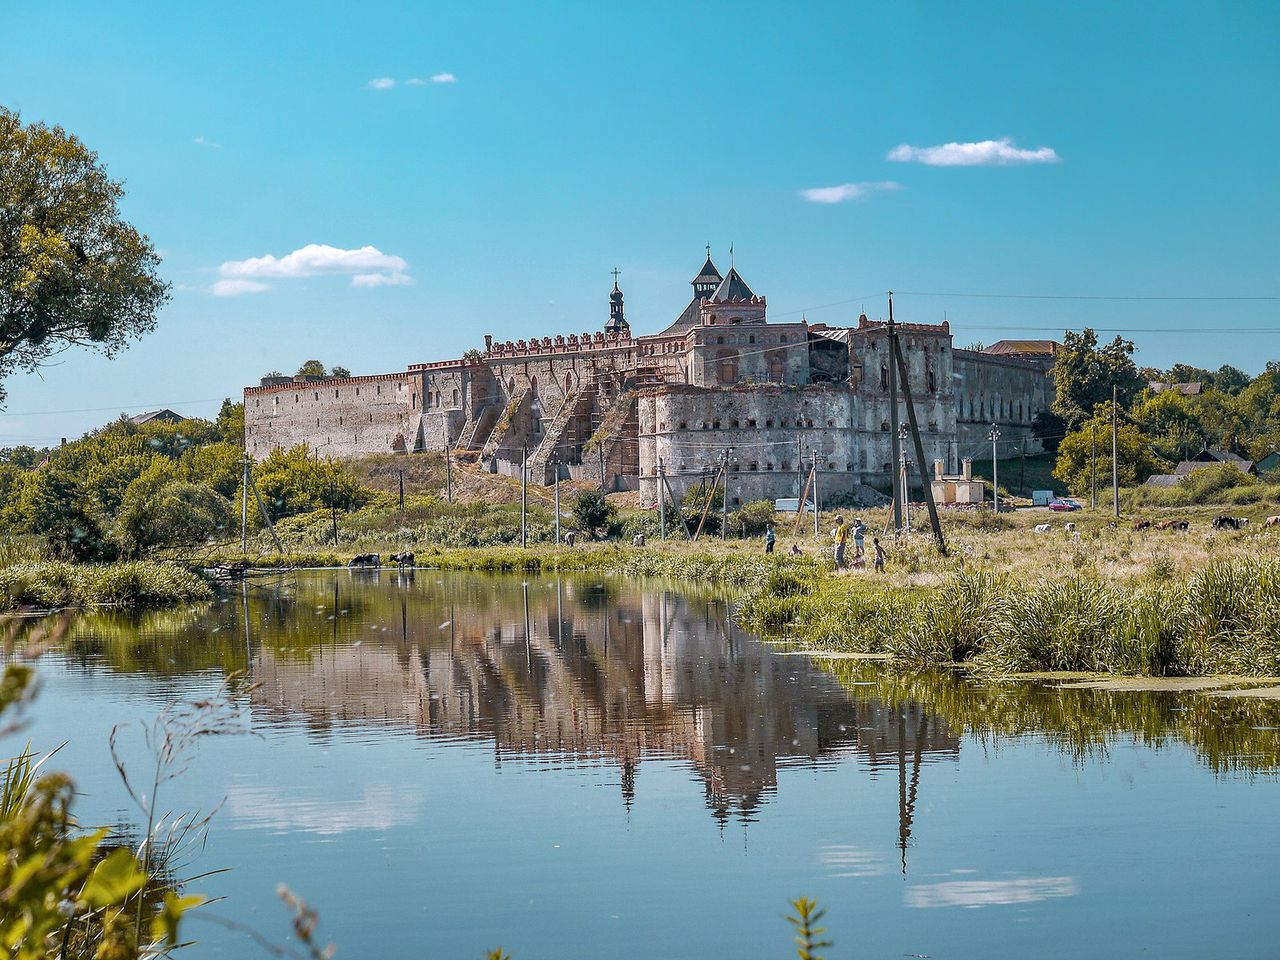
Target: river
440 764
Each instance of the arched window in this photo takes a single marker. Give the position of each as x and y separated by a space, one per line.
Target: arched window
533 384
884 376
455 398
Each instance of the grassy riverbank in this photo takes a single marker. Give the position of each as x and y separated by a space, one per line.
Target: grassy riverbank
49 584
1224 618
735 564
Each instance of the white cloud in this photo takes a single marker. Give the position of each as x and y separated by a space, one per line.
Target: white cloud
205 142
414 82
380 807
367 266
848 191
983 153
988 893
381 83
443 78
234 288
381 280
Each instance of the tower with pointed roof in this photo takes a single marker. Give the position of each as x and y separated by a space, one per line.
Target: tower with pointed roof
617 322
732 303
704 284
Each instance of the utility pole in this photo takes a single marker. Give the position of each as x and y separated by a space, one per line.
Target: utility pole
524 496
244 508
895 445
333 510
1115 450
904 483
448 473
662 500
800 484
993 436
402 491
555 465
926 487
1093 466
724 502
816 502
600 452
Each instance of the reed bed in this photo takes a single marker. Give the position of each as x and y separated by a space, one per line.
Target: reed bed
51 584
1223 619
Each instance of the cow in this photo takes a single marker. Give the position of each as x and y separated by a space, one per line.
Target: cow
638 540
1229 523
1141 524
1043 527
571 537
404 559
1273 521
1069 527
1173 525
365 560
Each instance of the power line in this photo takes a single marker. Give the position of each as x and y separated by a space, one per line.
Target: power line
1054 296
120 407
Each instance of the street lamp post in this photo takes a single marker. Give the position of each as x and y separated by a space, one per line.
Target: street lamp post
993 436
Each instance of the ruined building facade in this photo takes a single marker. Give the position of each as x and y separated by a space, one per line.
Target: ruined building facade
614 407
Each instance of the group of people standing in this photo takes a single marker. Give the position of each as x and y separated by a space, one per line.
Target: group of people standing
858 531
841 535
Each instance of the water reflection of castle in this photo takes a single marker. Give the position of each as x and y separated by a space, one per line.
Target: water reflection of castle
573 672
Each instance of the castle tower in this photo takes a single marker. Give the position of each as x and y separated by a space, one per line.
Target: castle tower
732 302
708 278
617 322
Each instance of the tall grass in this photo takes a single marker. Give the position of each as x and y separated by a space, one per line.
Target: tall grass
50 584
1223 619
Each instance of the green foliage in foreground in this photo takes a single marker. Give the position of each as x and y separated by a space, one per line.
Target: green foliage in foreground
65 893
1225 619
49 584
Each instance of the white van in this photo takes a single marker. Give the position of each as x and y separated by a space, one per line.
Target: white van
792 505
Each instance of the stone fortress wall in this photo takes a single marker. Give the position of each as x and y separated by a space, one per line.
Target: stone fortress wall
609 406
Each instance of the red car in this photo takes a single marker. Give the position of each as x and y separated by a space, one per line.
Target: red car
1064 504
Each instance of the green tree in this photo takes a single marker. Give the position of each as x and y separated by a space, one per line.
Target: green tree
178 515
293 481
591 510
22 456
312 368
230 422
216 465
53 504
340 373
1173 423
1136 460
73 272
1084 374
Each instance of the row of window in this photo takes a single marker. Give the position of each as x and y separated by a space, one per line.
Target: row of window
315 394
749 424
784 466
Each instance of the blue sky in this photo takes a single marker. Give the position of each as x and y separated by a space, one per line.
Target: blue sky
547 143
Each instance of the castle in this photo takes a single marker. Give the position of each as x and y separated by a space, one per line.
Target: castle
720 381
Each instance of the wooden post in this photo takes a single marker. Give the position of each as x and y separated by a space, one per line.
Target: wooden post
662 501
817 504
244 508
402 491
919 446
706 507
448 473
894 445
1115 456
555 464
524 496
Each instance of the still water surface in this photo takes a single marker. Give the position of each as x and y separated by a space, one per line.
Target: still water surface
442 763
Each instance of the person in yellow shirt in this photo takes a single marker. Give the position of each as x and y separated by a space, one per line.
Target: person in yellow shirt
841 537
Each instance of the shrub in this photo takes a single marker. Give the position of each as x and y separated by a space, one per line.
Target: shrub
752 518
591 510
